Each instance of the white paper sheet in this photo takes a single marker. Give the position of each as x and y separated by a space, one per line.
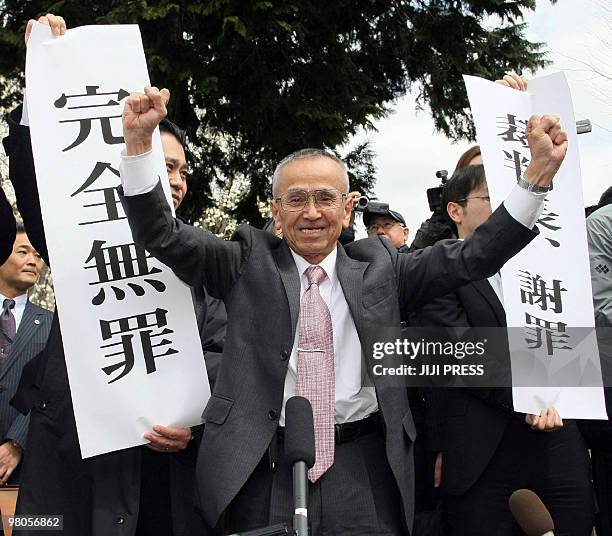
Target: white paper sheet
130 337
547 286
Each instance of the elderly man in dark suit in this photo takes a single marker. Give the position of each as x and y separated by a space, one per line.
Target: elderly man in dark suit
299 310
485 449
24 328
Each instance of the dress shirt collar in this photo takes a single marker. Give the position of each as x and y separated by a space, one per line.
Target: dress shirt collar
20 301
20 305
328 264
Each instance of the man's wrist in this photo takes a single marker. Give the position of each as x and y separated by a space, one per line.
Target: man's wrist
136 148
537 187
14 444
538 179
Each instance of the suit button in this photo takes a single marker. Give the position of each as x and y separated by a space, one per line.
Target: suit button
120 520
272 415
43 405
284 355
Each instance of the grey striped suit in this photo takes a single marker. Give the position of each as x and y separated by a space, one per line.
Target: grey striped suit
30 340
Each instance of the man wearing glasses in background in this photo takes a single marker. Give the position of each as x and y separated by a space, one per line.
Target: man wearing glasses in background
390 225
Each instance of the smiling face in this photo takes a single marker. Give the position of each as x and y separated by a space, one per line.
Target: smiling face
176 165
311 232
21 269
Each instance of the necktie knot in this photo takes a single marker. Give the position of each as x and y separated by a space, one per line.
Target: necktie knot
8 328
315 275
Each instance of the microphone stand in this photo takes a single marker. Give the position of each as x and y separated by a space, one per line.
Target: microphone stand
300 499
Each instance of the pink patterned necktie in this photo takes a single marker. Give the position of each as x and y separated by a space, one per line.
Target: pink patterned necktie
315 369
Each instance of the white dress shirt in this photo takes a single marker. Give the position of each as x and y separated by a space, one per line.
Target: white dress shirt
496 283
353 401
20 304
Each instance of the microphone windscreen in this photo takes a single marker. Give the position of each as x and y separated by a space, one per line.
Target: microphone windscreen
299 431
530 513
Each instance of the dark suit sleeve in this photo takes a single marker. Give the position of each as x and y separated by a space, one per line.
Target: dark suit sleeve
18 148
448 311
18 430
189 455
437 270
444 312
7 225
196 256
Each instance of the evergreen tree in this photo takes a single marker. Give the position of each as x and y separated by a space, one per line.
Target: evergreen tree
255 80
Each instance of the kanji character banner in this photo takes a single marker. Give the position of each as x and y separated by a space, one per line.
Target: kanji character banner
547 286
130 337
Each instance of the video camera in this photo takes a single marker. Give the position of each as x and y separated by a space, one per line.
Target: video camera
374 207
434 195
437 226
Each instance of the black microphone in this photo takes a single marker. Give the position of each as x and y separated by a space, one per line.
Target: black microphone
530 513
300 451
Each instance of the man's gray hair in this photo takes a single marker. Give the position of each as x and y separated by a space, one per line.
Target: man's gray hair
303 154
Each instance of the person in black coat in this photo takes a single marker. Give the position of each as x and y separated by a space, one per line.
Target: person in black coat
486 450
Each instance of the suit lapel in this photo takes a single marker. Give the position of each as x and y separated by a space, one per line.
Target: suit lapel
350 274
486 290
291 281
27 328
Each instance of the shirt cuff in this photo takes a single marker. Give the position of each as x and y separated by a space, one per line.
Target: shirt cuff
25 121
525 206
138 173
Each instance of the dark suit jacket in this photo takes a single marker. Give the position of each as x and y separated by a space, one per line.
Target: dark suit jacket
467 424
30 339
98 496
255 275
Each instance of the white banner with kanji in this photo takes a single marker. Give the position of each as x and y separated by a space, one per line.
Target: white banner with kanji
128 325
547 286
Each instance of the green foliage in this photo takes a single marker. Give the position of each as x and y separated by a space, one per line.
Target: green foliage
254 81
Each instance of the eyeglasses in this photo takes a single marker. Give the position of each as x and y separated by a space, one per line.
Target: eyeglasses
485 197
373 227
296 200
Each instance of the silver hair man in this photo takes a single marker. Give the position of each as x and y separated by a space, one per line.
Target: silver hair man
304 154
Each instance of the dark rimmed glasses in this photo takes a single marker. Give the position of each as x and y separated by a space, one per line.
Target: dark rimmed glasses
485 197
296 199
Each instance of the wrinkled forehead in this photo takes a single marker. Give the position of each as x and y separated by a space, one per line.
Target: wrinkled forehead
316 173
